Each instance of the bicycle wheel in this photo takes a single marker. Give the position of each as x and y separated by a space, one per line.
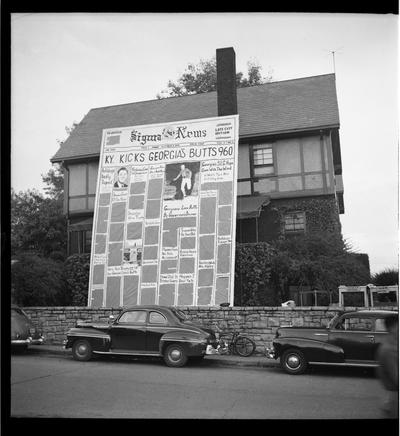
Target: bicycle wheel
244 346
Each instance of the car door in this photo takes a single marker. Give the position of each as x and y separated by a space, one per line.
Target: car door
128 333
381 335
355 335
157 325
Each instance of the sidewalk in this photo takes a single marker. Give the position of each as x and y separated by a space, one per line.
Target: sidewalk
255 361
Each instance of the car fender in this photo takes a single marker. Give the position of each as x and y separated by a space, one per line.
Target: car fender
194 344
314 351
100 341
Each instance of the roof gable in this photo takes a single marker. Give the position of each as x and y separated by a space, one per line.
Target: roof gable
276 107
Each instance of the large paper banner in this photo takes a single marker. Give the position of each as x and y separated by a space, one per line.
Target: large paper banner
165 215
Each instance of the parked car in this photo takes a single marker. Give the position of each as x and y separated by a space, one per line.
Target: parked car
143 331
350 339
23 332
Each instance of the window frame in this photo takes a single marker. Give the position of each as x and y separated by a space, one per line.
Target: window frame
158 323
84 196
133 322
254 166
294 231
84 246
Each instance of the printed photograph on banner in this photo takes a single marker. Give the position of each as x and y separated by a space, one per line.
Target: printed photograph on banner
121 178
181 180
133 255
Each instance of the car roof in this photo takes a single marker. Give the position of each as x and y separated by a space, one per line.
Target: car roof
147 307
373 313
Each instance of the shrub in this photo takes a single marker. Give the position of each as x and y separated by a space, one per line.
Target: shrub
387 277
76 271
38 281
253 275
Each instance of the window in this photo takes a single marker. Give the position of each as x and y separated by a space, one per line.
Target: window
157 318
134 316
294 222
82 186
80 241
358 324
263 160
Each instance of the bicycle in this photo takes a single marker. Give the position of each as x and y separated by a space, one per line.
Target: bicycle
236 344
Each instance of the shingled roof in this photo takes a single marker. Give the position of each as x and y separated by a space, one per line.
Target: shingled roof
277 107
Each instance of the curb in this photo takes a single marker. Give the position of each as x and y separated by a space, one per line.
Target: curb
211 360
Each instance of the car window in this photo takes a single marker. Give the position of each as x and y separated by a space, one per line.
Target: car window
380 325
134 316
157 318
358 324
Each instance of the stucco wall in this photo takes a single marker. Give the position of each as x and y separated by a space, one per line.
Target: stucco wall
259 323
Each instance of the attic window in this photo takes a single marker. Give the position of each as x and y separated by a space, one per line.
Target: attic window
294 222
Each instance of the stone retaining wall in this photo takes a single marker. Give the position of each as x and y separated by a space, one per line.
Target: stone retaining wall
258 323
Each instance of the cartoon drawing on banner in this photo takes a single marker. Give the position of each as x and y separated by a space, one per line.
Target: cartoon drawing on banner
181 180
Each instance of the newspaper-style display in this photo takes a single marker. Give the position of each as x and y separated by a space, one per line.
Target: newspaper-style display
165 215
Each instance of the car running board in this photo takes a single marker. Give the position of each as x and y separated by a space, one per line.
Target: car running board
128 353
367 364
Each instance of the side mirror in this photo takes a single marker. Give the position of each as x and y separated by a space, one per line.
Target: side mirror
111 319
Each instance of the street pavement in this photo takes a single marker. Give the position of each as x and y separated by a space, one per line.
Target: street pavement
255 361
45 384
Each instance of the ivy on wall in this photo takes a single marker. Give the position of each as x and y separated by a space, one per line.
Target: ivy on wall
321 213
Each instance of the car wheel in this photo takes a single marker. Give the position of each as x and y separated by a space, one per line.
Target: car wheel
293 361
82 350
175 356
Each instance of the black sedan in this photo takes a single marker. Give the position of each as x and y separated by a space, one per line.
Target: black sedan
143 331
23 331
351 339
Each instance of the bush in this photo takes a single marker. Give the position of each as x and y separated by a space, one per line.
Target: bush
76 271
264 272
387 277
37 281
253 275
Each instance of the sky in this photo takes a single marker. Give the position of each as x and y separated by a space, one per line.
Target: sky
64 64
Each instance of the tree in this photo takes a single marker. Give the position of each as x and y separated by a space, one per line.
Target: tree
319 261
37 221
37 281
37 225
54 180
202 77
387 277
322 261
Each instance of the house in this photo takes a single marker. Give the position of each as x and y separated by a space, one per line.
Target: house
289 173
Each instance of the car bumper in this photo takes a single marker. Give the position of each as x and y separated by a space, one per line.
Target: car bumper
37 341
211 350
270 353
26 341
